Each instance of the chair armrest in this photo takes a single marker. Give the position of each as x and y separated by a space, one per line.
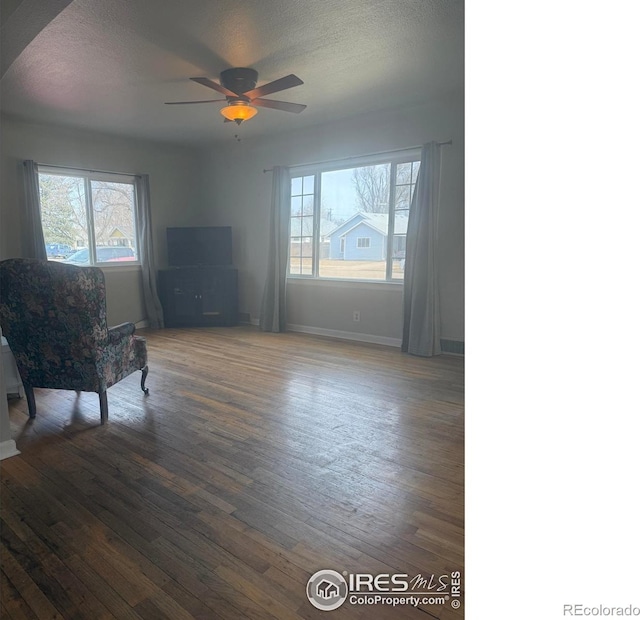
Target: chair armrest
117 333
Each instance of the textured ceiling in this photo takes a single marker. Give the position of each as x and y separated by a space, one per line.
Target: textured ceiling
111 65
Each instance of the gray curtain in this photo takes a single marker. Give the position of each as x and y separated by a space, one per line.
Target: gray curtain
273 313
145 252
421 328
33 239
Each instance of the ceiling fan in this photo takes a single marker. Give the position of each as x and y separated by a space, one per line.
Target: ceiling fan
239 87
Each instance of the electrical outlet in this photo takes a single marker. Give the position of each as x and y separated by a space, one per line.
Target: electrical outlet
356 316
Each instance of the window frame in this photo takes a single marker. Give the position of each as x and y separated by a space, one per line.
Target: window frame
393 158
108 177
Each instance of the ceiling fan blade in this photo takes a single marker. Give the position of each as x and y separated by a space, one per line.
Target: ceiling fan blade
288 81
211 84
279 105
189 102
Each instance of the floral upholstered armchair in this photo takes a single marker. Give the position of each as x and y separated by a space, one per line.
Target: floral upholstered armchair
54 317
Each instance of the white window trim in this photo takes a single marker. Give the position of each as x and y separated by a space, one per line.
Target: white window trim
350 283
122 267
396 157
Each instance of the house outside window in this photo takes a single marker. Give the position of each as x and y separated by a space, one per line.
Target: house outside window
349 220
88 218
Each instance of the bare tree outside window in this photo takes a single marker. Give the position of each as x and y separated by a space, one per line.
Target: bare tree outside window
62 208
112 212
371 184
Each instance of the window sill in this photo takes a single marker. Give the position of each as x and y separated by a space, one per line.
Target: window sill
120 268
390 285
117 266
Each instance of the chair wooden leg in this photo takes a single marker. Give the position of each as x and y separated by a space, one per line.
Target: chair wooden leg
145 372
104 407
31 400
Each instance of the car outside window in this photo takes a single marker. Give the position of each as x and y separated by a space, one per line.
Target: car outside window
103 255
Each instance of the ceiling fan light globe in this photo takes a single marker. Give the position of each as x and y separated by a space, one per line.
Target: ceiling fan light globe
238 111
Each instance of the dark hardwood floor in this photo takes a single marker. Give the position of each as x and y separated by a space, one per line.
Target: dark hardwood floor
256 460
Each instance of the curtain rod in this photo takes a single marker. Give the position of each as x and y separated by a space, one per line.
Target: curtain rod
124 174
330 161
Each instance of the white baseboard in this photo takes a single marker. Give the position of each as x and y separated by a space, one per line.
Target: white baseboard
7 449
142 324
358 337
336 333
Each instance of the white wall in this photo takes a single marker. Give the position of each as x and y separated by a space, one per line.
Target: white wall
174 176
237 193
225 185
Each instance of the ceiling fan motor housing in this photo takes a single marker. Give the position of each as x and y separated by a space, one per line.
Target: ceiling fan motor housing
239 80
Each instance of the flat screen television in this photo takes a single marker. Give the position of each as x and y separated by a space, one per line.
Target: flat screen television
202 245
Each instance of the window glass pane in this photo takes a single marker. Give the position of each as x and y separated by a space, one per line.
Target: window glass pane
300 264
64 216
399 244
405 182
415 167
301 231
295 265
296 186
405 185
296 205
296 227
403 197
403 173
114 221
307 226
307 206
308 184
354 204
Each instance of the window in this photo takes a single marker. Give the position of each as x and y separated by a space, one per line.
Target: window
88 218
302 210
350 222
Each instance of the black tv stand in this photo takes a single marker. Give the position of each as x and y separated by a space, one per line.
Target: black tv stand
203 295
